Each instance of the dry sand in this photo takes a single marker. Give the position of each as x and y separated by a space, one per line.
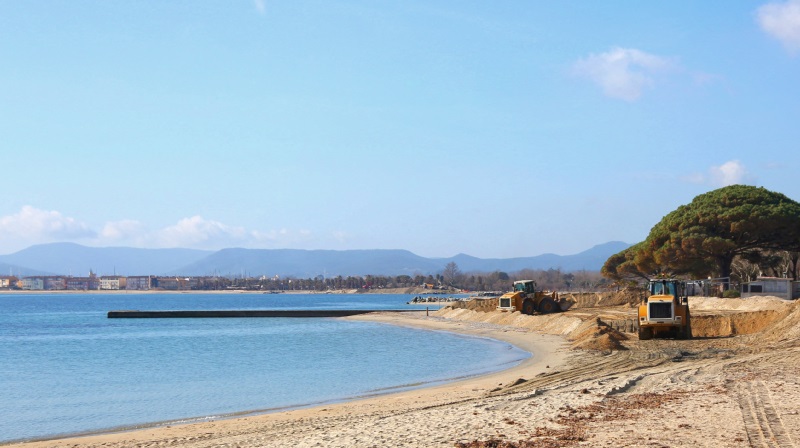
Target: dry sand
587 385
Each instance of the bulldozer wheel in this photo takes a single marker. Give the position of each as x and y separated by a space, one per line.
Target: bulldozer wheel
527 307
547 306
645 333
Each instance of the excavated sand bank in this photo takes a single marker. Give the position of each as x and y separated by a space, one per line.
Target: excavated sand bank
711 316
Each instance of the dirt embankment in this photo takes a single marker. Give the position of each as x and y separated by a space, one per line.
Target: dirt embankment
584 333
579 300
591 325
714 317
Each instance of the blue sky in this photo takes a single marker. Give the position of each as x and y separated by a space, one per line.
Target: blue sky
496 129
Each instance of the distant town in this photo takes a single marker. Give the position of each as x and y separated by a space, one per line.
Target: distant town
211 283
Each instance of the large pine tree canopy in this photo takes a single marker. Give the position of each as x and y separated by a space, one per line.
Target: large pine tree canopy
703 237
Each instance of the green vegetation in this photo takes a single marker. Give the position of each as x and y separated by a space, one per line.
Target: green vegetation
705 237
731 294
451 278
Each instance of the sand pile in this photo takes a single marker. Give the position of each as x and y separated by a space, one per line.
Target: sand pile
626 296
711 317
733 324
477 304
557 324
785 329
586 334
715 317
630 297
748 304
600 338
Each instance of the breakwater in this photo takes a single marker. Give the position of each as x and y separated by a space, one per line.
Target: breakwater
136 314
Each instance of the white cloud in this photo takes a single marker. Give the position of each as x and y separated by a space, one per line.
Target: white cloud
122 230
729 173
623 72
261 6
34 226
782 21
199 232
43 226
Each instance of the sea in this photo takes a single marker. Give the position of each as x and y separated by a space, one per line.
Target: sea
66 369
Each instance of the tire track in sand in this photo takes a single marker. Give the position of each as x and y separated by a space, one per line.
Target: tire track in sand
762 422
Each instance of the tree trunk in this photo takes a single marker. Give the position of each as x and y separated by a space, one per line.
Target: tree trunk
725 263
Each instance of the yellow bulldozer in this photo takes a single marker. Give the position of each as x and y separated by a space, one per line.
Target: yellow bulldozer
665 311
527 300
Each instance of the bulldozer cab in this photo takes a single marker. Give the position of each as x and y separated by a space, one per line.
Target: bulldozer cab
674 288
662 288
525 286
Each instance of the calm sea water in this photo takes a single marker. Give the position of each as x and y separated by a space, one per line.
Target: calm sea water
65 368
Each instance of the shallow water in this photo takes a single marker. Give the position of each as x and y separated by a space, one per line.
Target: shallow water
67 369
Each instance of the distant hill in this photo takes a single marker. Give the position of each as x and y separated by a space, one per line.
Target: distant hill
18 271
77 260
589 260
74 259
310 263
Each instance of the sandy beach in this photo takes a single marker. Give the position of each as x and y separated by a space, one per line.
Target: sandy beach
586 385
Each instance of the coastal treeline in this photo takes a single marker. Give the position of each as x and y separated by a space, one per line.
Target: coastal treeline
450 279
736 234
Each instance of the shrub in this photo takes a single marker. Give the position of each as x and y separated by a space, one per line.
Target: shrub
731 294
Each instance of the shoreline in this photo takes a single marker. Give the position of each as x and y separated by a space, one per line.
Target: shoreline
399 291
735 381
542 348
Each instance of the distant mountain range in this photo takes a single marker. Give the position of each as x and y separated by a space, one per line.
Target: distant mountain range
77 260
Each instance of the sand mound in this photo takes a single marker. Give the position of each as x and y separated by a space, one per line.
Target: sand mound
600 299
785 330
630 297
477 304
601 338
586 334
748 304
557 324
733 324
769 319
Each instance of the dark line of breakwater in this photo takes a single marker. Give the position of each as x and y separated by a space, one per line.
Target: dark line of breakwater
136 314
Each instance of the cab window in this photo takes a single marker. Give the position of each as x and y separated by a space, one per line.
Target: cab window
662 288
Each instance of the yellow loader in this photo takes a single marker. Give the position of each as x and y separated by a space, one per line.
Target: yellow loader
527 300
665 311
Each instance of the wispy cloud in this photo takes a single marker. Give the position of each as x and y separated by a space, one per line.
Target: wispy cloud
623 73
200 233
261 6
729 173
126 229
35 224
781 20
32 226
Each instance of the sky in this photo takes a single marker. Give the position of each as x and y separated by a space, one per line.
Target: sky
495 129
